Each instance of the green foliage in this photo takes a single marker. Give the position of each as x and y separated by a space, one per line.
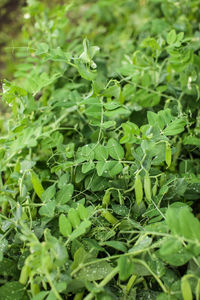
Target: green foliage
99 158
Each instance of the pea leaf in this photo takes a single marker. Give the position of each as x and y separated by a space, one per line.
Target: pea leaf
115 150
101 152
175 127
191 140
88 166
171 37
116 245
49 193
126 267
80 230
183 223
96 271
65 194
42 48
48 209
13 290
38 188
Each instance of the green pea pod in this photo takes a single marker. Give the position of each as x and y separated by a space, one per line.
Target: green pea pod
24 274
109 217
138 189
106 199
74 218
65 226
168 155
79 296
4 207
155 188
186 289
130 283
147 186
38 188
162 179
18 166
35 289
82 211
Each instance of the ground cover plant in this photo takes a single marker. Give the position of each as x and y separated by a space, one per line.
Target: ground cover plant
99 158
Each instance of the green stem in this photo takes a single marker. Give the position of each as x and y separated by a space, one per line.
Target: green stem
53 287
110 258
152 273
108 278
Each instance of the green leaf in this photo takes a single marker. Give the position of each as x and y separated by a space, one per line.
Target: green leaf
112 91
51 296
126 267
48 209
8 267
115 150
42 48
161 119
82 211
101 167
116 245
4 245
89 52
65 194
40 296
117 112
112 105
108 124
80 230
191 140
131 132
101 152
163 296
141 244
12 290
85 153
88 166
38 188
73 217
169 246
49 193
171 37
80 257
114 168
183 223
84 71
65 226
177 259
175 127
63 180
111 168
96 271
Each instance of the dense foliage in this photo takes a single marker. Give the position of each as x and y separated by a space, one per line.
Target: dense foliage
99 159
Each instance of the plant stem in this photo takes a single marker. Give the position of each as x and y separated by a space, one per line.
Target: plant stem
108 278
53 287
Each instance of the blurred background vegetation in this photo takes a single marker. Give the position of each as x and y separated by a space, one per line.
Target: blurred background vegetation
91 18
11 19
118 27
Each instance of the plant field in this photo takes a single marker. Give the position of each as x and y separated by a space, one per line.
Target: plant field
100 152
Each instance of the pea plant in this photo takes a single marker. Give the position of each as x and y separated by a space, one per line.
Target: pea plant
99 153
